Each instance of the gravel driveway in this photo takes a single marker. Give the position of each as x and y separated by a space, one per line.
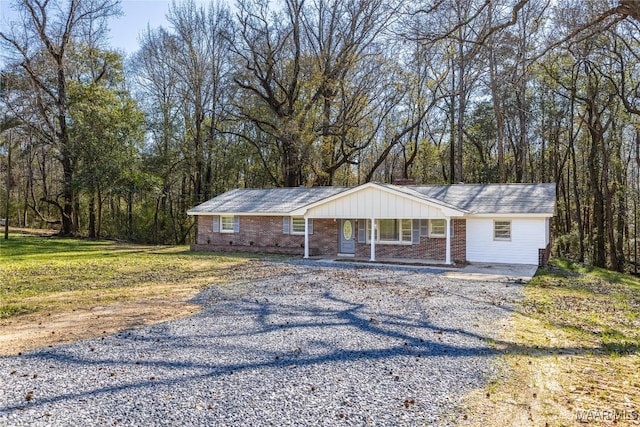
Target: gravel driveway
304 346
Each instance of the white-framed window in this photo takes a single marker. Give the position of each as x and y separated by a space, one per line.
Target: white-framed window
226 224
437 227
297 225
391 231
501 230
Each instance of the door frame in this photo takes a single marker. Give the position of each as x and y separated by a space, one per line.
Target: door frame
341 237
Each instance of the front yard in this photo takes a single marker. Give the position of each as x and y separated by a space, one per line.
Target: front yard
560 351
56 290
573 353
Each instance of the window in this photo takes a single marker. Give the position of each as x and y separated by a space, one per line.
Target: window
226 224
405 227
388 230
297 225
437 227
393 231
501 230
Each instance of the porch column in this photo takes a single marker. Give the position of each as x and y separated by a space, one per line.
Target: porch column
448 240
373 239
306 237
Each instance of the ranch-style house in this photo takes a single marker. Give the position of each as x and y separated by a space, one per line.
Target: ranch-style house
439 224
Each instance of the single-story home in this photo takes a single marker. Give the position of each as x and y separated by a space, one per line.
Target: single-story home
460 223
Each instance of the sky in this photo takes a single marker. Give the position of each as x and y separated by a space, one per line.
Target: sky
126 29
137 14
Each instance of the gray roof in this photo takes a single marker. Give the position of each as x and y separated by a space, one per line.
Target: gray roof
495 198
474 198
270 200
411 191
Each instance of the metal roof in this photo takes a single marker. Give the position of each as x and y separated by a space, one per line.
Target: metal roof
474 198
411 191
495 198
264 201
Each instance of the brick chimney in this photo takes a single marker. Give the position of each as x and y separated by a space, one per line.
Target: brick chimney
404 181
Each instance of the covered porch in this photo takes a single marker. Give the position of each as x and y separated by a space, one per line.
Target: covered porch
418 262
365 214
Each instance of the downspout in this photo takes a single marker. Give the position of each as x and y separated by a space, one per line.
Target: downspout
373 239
306 237
448 240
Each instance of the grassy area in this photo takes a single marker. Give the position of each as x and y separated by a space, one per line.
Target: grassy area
572 353
49 273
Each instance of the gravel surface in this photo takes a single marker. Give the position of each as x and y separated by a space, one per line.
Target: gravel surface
303 346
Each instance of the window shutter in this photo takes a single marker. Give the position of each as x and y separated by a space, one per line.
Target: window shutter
362 231
424 227
286 223
236 224
415 238
216 224
310 225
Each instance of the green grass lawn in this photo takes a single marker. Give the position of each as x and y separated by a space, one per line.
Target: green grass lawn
573 346
44 273
593 305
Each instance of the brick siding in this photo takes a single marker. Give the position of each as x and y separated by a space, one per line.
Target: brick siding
459 241
264 234
543 256
428 248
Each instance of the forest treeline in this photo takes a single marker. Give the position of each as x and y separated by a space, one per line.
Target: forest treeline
322 92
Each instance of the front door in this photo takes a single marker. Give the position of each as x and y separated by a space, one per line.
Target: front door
347 240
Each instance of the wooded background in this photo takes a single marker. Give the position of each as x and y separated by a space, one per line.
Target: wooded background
322 92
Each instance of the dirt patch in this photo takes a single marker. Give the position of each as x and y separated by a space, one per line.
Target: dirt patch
29 332
42 232
84 314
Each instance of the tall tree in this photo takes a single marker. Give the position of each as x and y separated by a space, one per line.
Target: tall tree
40 43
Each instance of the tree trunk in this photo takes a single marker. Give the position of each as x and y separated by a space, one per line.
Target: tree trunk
99 222
92 215
67 197
461 108
598 197
8 202
130 213
290 164
452 125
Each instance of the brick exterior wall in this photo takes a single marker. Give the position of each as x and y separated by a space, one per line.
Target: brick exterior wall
459 241
428 248
543 256
264 234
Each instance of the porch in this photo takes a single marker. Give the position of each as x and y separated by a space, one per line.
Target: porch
417 262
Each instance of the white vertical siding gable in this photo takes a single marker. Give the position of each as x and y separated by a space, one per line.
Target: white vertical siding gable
375 202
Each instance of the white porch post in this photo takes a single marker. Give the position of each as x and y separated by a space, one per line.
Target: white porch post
373 239
448 240
306 237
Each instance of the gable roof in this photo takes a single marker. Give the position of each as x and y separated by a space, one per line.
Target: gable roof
264 201
495 198
404 193
480 199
